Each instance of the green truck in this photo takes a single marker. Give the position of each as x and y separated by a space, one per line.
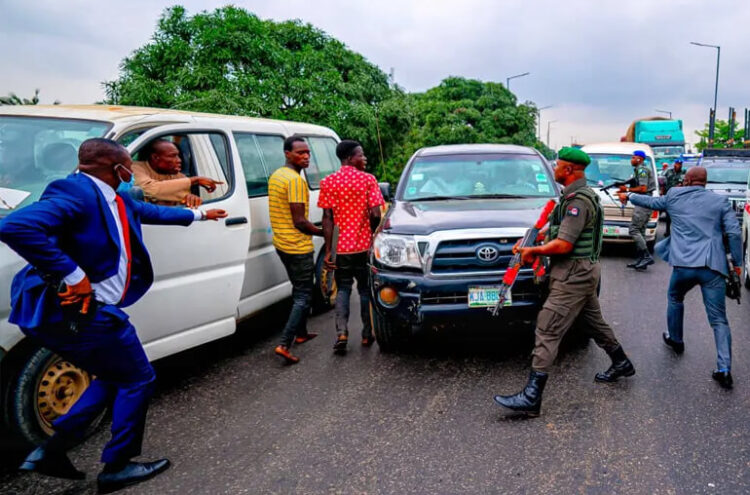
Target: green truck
665 136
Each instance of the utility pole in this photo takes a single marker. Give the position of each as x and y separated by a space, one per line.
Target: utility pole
507 80
549 125
665 111
539 120
718 56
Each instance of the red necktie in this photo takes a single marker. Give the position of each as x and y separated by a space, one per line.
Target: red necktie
126 236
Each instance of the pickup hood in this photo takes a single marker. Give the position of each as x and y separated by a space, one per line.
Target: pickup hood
426 217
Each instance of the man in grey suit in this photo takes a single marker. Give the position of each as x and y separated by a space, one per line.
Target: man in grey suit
695 250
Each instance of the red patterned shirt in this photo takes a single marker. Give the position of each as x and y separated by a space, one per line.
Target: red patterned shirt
350 193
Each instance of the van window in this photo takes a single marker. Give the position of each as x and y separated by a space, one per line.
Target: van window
323 161
205 155
261 155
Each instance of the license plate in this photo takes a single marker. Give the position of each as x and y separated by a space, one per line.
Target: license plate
484 297
614 231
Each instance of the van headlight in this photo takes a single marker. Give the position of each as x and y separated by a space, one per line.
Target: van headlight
397 251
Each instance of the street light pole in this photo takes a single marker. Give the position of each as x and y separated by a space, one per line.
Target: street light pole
507 80
549 124
539 120
664 111
718 56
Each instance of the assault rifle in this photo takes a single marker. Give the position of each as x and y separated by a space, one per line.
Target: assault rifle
734 286
515 264
632 182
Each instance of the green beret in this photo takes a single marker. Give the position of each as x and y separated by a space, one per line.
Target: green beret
574 155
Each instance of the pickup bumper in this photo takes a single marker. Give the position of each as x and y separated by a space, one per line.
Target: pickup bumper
432 302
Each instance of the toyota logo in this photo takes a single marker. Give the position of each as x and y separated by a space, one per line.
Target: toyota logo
487 254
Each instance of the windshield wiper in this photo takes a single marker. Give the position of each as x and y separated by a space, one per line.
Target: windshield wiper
438 198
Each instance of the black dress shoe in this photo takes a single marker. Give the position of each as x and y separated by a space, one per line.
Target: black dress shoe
49 463
131 474
678 347
724 378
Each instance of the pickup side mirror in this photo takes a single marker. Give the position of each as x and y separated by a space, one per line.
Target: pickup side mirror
385 190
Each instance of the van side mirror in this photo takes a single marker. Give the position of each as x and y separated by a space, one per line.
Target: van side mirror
385 190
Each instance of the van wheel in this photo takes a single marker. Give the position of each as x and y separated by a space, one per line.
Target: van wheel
322 303
390 336
44 388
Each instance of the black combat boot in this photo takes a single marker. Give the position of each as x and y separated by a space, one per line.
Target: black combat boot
621 366
638 258
646 260
528 400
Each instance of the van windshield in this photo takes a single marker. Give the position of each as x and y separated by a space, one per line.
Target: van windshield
605 169
35 151
480 176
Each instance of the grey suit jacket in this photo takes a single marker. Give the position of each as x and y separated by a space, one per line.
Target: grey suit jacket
699 219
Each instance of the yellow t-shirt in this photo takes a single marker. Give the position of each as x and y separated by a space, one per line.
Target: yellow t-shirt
287 186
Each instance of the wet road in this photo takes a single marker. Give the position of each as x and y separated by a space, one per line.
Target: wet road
234 420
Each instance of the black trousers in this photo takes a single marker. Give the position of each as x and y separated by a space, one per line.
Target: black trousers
351 267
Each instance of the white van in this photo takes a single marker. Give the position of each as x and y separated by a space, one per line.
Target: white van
610 162
207 276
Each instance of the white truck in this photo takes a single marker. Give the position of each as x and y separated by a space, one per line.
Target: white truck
207 277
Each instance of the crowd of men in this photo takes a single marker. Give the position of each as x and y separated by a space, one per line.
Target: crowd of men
96 277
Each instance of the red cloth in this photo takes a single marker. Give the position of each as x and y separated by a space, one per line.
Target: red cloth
350 193
126 236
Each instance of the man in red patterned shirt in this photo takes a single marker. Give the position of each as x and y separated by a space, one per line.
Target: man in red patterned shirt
351 200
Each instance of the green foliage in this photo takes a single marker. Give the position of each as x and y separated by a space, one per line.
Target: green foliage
230 61
13 99
721 136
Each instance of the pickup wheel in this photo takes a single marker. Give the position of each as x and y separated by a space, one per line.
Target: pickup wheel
390 336
320 302
44 388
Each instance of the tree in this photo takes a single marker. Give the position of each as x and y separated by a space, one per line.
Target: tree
13 99
721 136
230 61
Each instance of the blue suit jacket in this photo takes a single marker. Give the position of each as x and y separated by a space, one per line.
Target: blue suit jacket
71 225
699 220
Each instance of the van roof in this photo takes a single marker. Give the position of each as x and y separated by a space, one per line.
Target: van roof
618 148
126 114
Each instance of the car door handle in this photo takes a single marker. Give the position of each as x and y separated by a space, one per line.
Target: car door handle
235 221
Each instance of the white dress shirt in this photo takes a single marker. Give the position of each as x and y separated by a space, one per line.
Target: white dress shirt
110 291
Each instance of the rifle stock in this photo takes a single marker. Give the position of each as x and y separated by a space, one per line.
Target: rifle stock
334 246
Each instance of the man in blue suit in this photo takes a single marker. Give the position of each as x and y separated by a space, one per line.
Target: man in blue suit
700 219
87 261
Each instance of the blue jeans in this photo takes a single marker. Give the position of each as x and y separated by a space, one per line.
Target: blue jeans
107 347
713 288
350 267
301 271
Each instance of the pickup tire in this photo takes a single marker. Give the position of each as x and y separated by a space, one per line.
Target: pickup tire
390 336
43 388
321 303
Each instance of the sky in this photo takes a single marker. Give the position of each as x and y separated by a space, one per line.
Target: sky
600 63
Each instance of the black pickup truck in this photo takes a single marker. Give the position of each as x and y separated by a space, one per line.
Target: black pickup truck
447 239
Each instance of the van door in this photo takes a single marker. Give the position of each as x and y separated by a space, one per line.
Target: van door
198 269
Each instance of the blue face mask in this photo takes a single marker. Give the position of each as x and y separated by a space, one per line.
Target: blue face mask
125 186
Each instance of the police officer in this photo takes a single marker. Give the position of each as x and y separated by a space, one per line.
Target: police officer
644 177
673 177
574 241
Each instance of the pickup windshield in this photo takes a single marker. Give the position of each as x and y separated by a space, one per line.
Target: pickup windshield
477 176
35 151
727 171
605 169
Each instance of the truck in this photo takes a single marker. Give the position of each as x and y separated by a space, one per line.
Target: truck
665 136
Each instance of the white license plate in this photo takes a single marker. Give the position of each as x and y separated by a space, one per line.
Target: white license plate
484 297
615 231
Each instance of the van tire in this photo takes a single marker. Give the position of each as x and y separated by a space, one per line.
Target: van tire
25 417
390 336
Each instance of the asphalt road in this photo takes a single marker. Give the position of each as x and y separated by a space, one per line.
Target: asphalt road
234 420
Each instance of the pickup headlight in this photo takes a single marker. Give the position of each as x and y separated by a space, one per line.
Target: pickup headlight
397 251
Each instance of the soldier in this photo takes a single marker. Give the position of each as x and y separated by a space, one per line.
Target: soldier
644 177
574 241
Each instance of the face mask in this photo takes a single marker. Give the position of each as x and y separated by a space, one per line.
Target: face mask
119 176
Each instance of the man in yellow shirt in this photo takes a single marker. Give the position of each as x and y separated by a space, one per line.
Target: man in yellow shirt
288 207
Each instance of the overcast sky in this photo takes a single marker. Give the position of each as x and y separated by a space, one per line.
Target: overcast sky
600 63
